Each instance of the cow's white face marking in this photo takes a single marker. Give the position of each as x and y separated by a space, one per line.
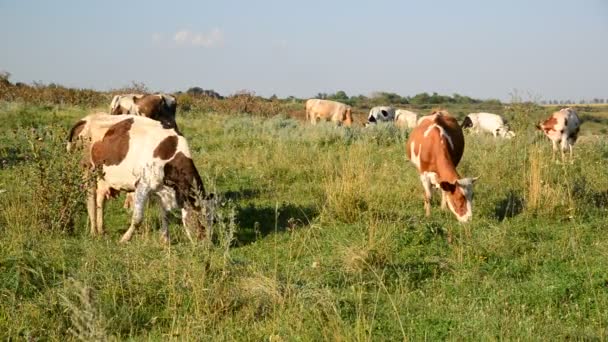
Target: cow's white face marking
462 198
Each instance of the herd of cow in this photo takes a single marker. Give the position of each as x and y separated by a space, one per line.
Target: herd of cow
138 148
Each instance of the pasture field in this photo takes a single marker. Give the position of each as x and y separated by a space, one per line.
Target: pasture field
320 235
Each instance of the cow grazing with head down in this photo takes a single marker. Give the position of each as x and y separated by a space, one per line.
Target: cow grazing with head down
562 128
124 104
381 114
488 122
326 110
160 107
435 147
137 154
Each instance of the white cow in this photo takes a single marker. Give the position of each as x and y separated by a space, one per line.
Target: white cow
488 122
380 114
405 118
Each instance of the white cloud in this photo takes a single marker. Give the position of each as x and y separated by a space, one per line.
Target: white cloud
213 38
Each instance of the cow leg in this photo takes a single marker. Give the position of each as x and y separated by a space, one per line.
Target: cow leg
426 184
164 222
101 197
128 204
554 149
444 200
92 208
140 197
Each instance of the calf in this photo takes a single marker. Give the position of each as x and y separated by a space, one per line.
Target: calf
137 154
160 107
562 128
435 148
327 110
488 122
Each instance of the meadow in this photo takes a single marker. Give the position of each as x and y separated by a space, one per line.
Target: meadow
320 235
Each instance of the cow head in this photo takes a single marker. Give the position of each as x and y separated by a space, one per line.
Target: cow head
459 196
198 218
505 132
348 117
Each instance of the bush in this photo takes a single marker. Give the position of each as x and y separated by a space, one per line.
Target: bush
55 181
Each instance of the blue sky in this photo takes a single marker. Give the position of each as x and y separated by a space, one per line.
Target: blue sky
548 49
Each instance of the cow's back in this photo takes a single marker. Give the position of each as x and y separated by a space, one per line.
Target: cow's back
435 132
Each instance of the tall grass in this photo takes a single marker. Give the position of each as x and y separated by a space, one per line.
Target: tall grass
320 235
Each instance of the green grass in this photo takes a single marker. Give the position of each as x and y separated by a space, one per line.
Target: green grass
321 235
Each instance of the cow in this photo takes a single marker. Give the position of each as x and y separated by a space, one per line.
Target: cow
326 110
562 128
380 114
488 122
160 107
136 154
124 104
435 148
405 119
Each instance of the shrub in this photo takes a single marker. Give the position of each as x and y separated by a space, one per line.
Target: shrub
55 183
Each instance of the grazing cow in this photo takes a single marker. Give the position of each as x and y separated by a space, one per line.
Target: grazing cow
327 110
562 127
488 122
405 119
435 148
381 113
124 104
160 107
139 155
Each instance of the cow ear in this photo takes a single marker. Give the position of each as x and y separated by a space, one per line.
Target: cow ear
466 181
447 186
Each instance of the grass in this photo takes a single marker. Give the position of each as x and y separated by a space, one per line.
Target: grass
321 235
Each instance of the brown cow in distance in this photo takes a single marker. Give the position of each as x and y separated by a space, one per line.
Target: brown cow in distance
435 148
562 128
137 154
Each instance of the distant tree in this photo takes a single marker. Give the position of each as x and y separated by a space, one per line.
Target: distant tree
274 97
321 96
198 91
422 98
340 95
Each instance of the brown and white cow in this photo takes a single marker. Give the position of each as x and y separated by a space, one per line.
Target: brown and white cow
160 107
435 147
562 128
137 154
326 110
